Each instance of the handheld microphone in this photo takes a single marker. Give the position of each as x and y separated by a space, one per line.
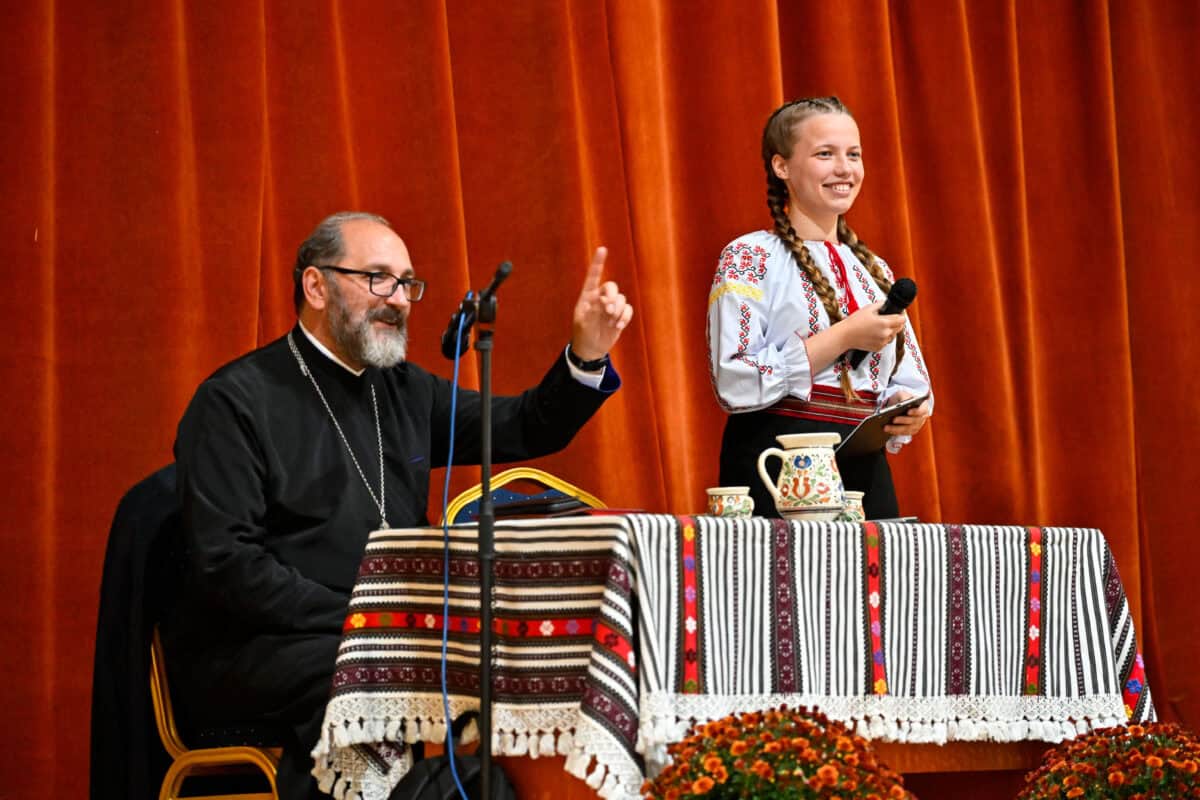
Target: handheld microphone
454 342
903 292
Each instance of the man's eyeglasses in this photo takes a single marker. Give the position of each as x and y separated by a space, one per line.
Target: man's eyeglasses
384 284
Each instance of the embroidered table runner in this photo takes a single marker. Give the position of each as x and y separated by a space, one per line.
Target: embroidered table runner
612 633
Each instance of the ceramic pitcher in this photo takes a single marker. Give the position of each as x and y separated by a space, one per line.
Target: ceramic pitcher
809 485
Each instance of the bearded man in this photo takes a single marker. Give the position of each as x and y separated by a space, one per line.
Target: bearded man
288 456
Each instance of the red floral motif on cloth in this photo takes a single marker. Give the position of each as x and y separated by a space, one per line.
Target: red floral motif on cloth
873 368
1033 659
868 285
516 628
811 301
744 342
1133 669
915 355
689 606
742 262
869 288
874 603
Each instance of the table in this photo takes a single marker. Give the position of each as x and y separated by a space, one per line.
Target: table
614 632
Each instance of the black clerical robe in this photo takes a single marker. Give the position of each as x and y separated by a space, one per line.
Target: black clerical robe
276 515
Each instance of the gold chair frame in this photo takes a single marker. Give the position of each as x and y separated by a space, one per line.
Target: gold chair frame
201 761
517 474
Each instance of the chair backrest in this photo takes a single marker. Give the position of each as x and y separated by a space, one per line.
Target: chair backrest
549 494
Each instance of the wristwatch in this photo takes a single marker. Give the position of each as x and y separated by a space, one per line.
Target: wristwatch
594 365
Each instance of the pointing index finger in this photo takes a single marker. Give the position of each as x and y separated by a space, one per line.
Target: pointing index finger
595 269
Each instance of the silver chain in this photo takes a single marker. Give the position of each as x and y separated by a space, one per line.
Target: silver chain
381 500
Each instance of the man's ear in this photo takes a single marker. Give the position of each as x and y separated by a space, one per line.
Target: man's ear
312 280
779 166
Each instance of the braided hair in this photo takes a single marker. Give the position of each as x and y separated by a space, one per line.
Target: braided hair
779 138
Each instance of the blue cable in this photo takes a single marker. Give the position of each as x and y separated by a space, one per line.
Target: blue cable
446 567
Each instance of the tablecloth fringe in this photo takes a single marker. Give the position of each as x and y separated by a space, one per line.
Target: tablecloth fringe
526 742
591 753
596 759
942 731
342 772
667 717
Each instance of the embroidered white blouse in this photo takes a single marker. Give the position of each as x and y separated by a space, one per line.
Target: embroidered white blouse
762 307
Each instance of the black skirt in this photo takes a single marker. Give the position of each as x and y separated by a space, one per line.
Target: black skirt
748 434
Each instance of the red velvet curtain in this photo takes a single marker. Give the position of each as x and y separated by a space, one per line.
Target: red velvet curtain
1031 164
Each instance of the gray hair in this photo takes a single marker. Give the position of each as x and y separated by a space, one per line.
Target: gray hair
325 245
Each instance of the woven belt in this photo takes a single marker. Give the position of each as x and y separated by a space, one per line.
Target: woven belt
827 404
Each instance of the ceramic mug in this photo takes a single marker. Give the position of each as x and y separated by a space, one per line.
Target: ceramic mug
809 485
730 501
853 512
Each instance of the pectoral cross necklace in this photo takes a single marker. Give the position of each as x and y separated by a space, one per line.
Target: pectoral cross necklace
381 499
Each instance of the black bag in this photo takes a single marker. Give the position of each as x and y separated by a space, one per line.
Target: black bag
431 778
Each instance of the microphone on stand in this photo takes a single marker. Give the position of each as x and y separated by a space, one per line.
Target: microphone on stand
903 292
454 342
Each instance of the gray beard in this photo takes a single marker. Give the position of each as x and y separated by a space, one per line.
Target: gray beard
362 341
385 348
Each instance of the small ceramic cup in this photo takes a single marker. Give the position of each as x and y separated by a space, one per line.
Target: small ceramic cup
853 512
730 501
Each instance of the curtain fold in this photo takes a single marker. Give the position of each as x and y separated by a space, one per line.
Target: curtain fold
1155 101
1031 165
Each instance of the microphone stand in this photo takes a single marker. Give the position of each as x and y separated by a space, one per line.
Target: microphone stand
487 545
485 315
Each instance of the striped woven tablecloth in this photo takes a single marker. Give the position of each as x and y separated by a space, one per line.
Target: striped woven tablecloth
613 633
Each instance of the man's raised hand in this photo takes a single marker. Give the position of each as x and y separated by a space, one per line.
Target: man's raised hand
601 313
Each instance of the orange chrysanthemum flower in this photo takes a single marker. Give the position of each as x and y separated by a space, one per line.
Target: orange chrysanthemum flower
1138 761
772 755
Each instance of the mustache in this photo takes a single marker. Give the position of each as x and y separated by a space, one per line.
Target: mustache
389 316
